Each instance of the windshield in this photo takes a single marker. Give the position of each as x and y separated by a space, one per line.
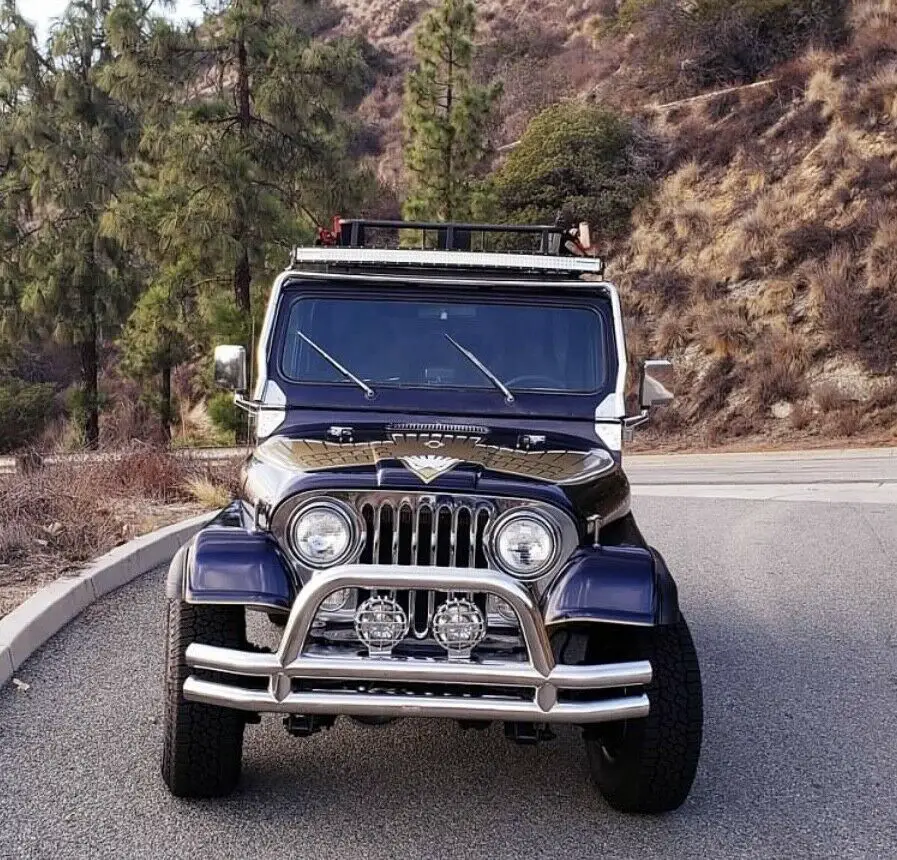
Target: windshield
408 343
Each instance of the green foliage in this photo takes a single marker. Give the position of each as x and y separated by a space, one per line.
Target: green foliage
68 145
156 333
446 116
224 414
718 41
153 176
576 160
232 180
24 411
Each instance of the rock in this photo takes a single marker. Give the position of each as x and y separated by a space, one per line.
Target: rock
782 409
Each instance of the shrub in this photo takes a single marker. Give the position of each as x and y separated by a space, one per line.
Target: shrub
717 41
801 417
24 411
725 332
672 333
777 369
405 14
224 413
716 385
830 398
580 160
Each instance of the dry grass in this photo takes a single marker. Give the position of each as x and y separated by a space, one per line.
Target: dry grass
830 398
777 369
773 298
724 332
779 212
672 333
801 417
884 396
878 97
694 222
208 493
826 90
714 387
880 257
875 30
58 517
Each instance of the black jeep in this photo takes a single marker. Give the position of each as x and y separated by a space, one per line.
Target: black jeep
437 515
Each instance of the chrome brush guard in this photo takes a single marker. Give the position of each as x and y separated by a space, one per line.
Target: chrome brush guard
493 686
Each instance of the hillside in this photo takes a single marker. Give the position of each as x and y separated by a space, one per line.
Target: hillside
765 259
540 52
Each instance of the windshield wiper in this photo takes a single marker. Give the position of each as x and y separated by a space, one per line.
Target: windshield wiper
369 392
509 397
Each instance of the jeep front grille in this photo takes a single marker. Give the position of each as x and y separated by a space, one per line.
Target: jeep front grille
424 532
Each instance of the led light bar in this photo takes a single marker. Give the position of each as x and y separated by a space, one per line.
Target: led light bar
388 258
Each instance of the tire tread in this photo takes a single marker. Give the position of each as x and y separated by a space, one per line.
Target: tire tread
203 744
662 752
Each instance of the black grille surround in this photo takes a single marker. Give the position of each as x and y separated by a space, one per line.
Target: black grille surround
422 528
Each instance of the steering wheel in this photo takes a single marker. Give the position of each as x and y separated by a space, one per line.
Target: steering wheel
534 380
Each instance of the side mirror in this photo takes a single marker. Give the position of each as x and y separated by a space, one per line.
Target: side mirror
230 368
656 384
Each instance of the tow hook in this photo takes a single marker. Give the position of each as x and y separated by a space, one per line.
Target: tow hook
305 725
528 734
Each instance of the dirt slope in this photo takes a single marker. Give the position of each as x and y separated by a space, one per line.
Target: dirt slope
765 262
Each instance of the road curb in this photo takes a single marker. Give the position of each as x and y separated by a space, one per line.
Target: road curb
44 614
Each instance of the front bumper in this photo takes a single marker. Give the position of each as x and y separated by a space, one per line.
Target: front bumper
484 679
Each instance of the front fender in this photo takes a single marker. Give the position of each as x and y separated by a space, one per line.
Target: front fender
227 564
613 584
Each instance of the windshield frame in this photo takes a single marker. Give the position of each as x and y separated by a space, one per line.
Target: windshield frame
430 399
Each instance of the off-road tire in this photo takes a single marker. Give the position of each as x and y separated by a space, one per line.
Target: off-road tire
203 744
648 765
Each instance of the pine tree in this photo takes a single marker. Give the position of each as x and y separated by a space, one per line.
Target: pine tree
72 142
155 340
22 91
446 116
253 131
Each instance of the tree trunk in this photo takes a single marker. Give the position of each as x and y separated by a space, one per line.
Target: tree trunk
89 381
165 405
448 203
242 272
242 281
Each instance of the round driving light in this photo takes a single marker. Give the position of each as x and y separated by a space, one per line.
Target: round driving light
323 535
459 626
336 601
381 624
524 544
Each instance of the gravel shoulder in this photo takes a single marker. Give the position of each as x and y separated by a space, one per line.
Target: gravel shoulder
792 610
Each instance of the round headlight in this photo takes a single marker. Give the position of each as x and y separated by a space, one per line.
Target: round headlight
323 534
524 544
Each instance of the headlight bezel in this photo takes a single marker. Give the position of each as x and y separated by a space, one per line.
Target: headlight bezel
343 512
525 513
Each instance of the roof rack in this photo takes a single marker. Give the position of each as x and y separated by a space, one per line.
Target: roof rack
450 236
561 249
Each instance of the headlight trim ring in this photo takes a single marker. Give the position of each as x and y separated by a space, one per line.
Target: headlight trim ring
346 514
525 513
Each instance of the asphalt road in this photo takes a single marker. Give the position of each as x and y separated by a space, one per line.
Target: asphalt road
793 611
865 465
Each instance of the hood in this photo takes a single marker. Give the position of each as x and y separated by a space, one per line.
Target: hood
559 467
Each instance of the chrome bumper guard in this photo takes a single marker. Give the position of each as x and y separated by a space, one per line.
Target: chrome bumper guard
540 672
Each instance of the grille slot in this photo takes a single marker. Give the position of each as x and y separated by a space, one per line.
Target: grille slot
424 532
